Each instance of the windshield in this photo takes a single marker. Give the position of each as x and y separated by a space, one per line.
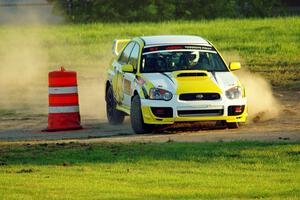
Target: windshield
169 61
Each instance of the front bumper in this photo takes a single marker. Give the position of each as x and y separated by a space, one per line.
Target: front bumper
194 110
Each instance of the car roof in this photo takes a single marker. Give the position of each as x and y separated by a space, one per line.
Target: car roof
173 39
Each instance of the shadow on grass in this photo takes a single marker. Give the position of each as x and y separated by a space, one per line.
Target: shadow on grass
74 153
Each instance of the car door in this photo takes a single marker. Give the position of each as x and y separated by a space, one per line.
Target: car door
128 81
119 75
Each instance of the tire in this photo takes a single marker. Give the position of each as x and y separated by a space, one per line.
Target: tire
114 116
137 122
232 125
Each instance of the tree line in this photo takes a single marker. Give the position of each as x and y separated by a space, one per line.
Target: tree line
165 10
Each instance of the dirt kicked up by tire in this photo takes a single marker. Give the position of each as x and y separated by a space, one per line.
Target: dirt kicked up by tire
114 116
137 122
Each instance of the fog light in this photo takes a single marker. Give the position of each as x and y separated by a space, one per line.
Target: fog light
159 111
235 110
162 111
238 109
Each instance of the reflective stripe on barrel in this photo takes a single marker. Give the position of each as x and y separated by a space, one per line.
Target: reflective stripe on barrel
62 90
63 109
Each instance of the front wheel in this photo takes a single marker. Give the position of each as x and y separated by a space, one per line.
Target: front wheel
136 117
114 116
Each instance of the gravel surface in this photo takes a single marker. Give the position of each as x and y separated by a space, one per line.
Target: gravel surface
284 128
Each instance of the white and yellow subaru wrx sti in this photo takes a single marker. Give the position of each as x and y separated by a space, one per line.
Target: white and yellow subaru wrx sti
161 80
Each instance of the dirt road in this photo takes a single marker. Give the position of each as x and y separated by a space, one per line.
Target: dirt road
284 128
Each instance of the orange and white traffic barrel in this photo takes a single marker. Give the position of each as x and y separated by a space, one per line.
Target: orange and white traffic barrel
63 101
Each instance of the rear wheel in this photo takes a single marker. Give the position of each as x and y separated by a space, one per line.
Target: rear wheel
136 117
232 125
114 116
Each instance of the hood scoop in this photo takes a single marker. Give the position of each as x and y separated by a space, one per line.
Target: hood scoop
189 73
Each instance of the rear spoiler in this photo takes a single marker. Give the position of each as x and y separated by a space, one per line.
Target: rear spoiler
118 45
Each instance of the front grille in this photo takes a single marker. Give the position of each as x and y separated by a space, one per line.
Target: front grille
199 96
195 113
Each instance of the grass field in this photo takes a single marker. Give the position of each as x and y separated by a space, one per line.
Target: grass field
269 46
234 170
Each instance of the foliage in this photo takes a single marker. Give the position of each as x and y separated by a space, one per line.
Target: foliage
164 10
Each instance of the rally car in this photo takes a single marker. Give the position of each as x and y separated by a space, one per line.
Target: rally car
160 80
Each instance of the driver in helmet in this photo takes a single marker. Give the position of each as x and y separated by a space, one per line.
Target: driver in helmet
188 60
192 58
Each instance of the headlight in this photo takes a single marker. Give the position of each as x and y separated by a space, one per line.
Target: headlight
160 94
234 93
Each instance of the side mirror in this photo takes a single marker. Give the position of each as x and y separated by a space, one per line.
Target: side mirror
234 66
127 68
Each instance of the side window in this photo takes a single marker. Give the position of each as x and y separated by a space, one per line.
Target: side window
126 53
134 57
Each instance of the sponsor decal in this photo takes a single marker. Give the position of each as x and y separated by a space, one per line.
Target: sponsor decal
177 47
199 96
140 81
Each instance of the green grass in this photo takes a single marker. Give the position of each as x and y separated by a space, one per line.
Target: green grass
245 170
269 46
234 170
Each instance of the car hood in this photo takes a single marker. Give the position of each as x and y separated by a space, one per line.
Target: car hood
192 81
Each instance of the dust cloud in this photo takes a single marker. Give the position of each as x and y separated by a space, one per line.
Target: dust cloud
23 70
262 104
25 63
91 96
23 60
24 67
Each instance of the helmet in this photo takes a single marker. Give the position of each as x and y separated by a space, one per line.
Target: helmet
192 58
